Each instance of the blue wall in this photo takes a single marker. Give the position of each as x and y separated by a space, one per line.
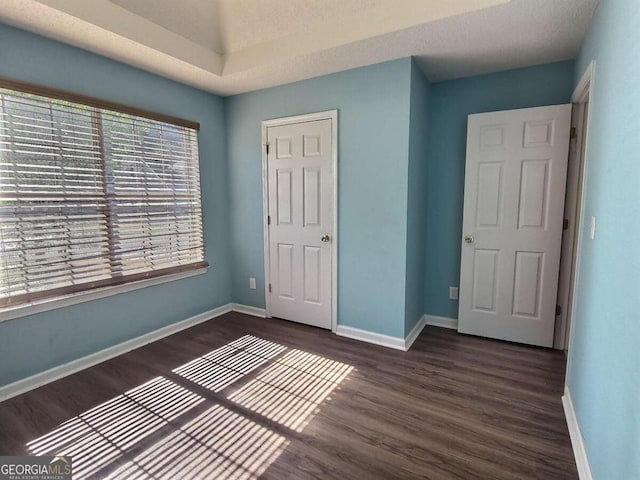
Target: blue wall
391 203
373 143
416 198
451 103
604 374
32 344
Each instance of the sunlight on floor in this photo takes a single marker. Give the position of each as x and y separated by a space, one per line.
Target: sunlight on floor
216 444
163 429
99 436
220 368
289 390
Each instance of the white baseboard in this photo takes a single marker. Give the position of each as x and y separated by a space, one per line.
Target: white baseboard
415 332
249 310
55 373
443 322
577 442
388 341
60 371
371 337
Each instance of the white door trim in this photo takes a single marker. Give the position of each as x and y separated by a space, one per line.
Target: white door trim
581 94
582 108
310 117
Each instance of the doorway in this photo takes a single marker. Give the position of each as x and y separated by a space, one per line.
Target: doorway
300 208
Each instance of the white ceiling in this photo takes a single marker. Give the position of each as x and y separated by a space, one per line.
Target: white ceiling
195 20
234 46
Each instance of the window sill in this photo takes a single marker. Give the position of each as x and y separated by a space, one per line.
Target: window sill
80 297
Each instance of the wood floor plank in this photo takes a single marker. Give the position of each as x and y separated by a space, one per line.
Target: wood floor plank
242 397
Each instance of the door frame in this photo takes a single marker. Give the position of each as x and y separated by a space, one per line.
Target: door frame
582 109
582 95
309 117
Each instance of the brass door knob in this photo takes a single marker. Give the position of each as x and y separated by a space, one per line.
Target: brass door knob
468 238
326 238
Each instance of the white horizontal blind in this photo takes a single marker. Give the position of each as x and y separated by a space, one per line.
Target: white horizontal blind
91 197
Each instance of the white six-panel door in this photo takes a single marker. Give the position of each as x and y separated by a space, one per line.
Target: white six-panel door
300 206
512 223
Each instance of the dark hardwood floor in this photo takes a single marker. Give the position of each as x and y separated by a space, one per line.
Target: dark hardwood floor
242 397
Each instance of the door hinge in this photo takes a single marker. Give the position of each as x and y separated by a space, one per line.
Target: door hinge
565 224
574 133
558 310
268 219
266 146
269 288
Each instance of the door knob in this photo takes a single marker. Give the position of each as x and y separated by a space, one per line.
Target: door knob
326 238
468 238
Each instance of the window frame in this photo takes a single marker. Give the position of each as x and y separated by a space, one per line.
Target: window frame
58 298
61 301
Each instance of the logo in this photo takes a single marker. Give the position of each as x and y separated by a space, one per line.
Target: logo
35 468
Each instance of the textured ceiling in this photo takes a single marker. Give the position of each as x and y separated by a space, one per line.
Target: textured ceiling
251 22
196 20
226 26
233 46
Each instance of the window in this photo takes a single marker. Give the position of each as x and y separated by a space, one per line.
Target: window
92 194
